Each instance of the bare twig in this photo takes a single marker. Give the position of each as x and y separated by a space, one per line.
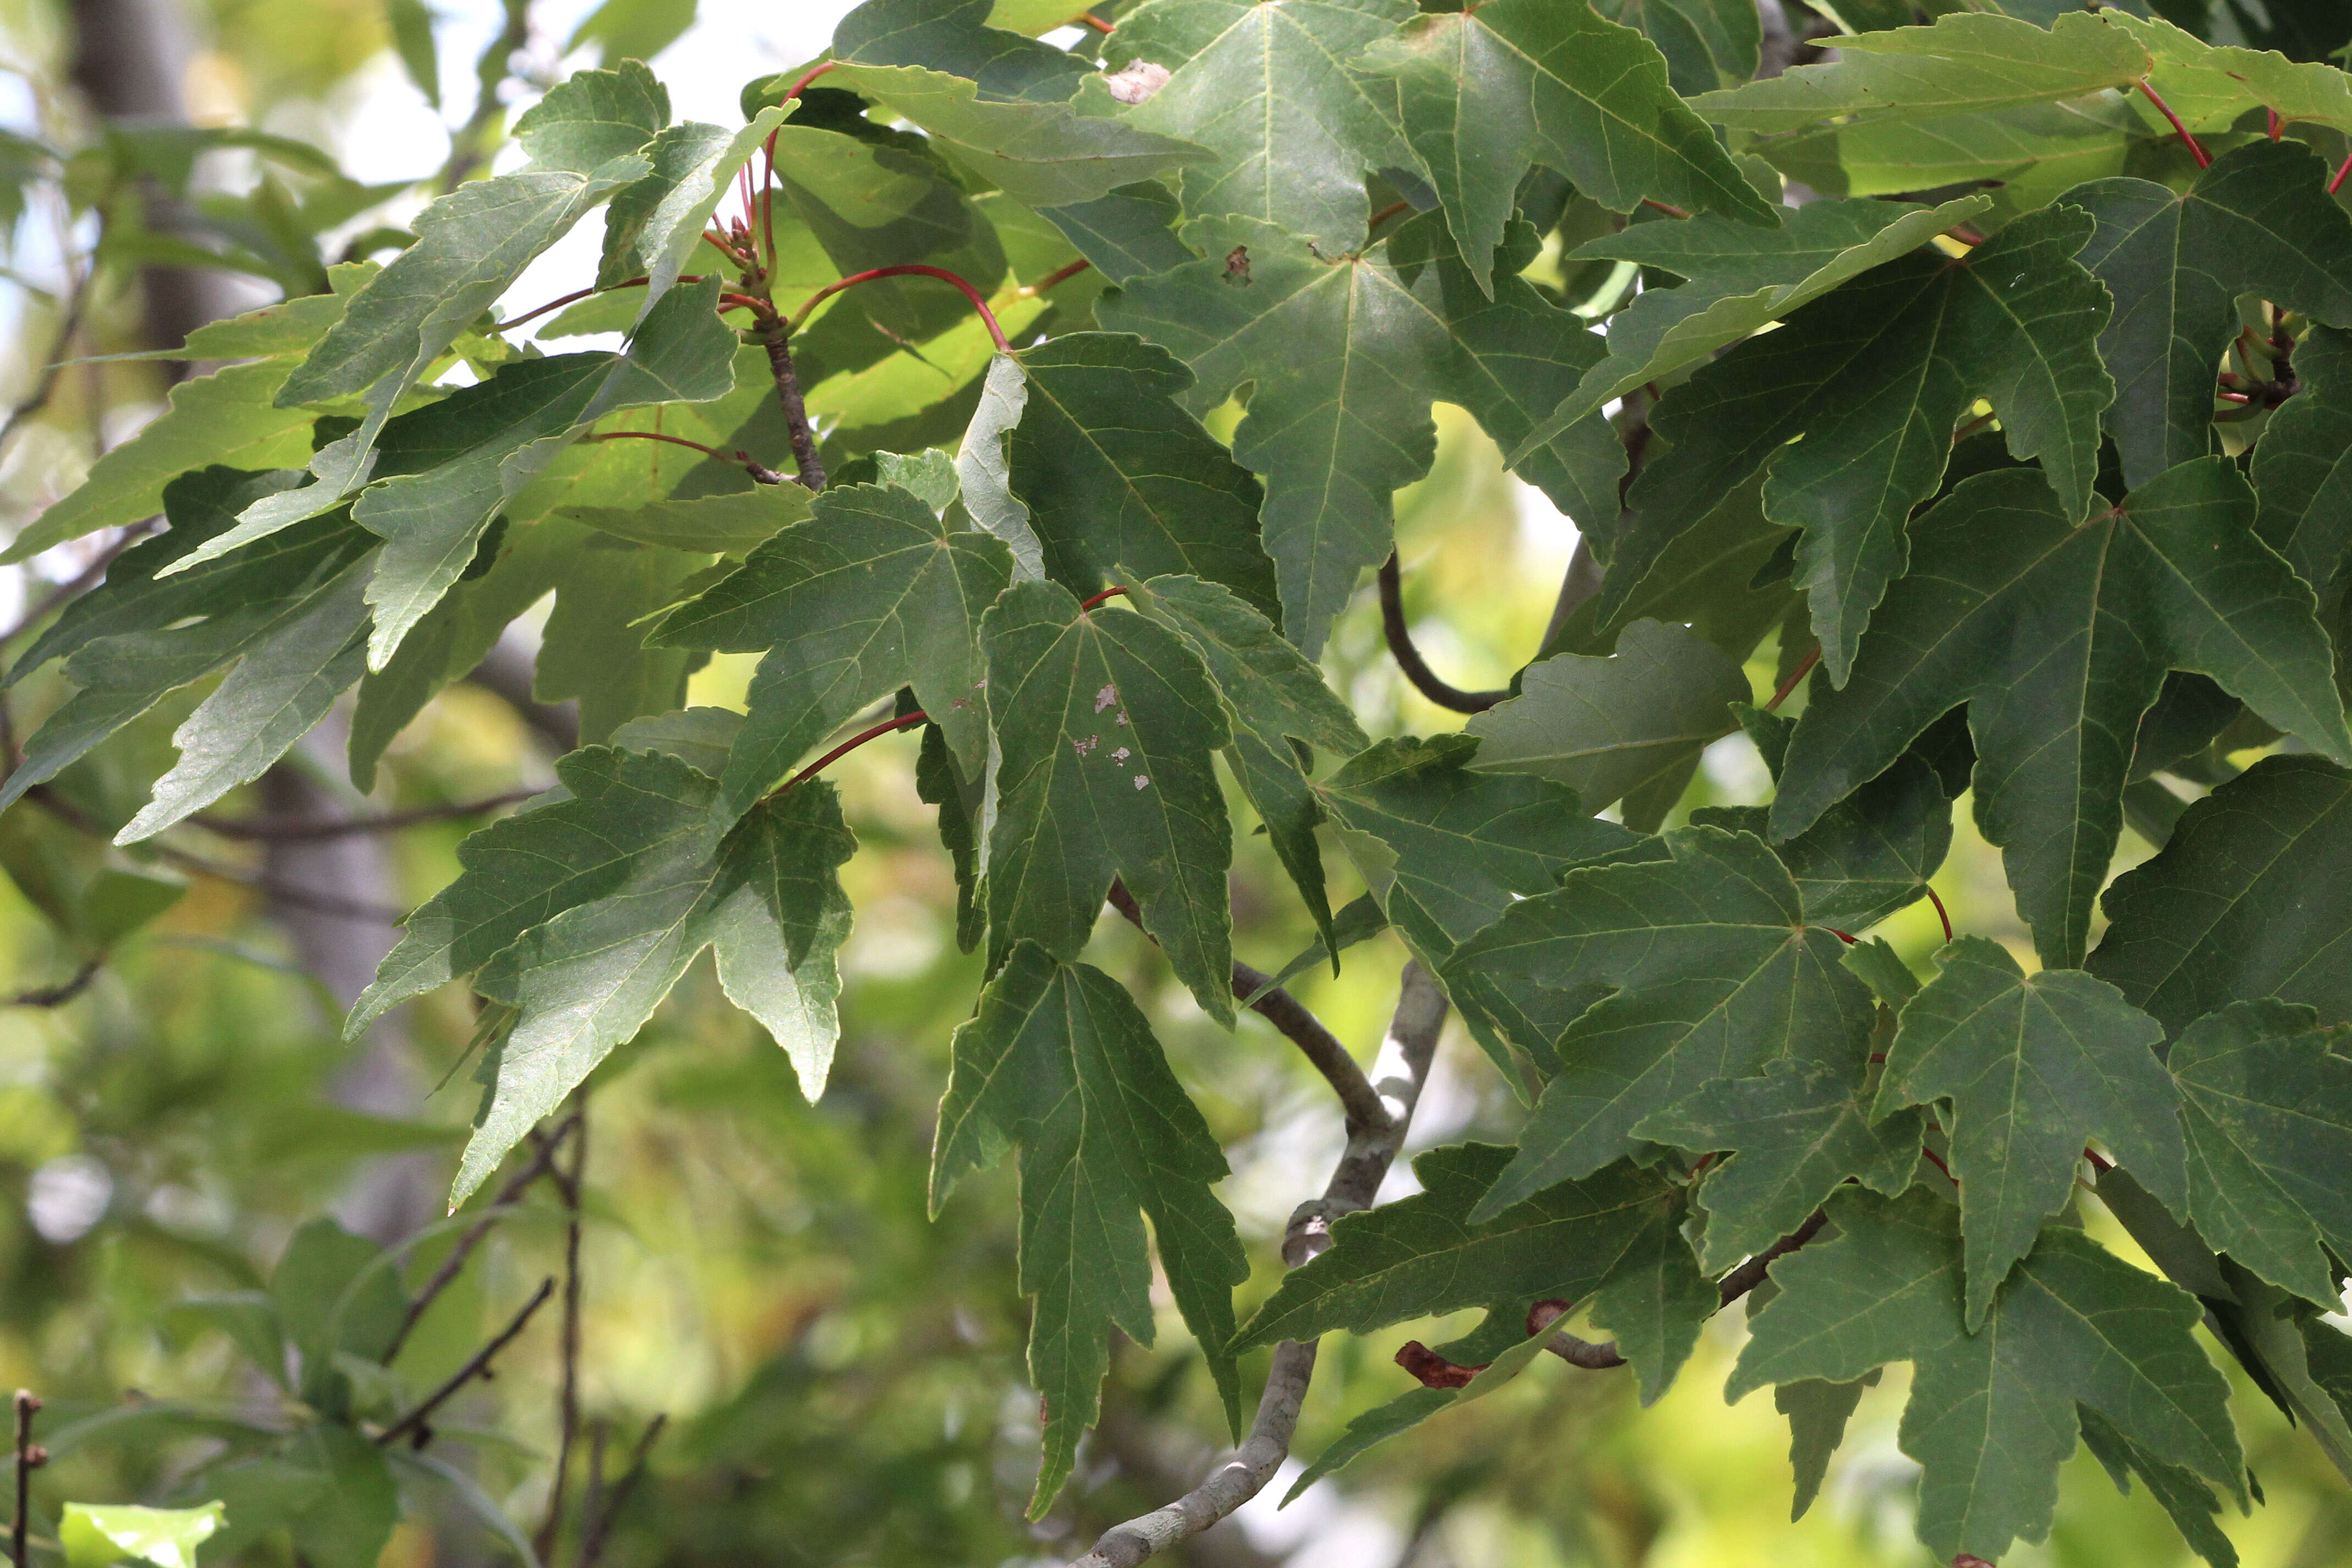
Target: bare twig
776 338
599 1522
30 1457
1301 1027
60 993
1399 1073
567 1396
1416 669
542 1157
477 1365
53 362
389 822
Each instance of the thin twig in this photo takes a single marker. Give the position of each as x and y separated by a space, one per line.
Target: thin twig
777 340
592 1545
1400 1071
1795 679
53 362
1321 1048
83 580
2196 149
543 1156
567 1396
477 1365
389 822
1408 657
60 993
30 1457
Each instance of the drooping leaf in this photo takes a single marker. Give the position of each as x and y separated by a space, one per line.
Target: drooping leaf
1817 1413
2172 579
1059 1060
1738 278
1794 1136
1275 698
2266 1104
1114 472
1655 1300
654 225
1992 1414
1631 723
2181 1494
2258 222
1427 1254
1346 353
1965 63
876 592
1447 849
2033 1067
1104 723
1487 92
1874 375
1268 90
1636 984
582 913
593 650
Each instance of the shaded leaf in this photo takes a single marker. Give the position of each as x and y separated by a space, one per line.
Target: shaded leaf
1817 1413
654 225
715 525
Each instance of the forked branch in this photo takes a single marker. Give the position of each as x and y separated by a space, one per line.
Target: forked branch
1397 1075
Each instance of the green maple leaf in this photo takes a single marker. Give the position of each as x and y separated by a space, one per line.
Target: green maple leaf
2258 222
1967 63
1817 1413
2303 465
2172 579
652 226
2245 901
1269 89
1485 93
1634 983
1346 353
285 614
1722 577
1794 1135
2035 1067
1104 724
1992 1414
2176 1489
1275 698
2266 1104
1059 1060
1446 848
1114 472
1738 279
854 199
2209 87
1428 1253
1708 42
470 246
1874 375
581 915
1627 727
874 593
710 525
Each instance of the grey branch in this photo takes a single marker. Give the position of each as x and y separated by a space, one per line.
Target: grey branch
1397 1076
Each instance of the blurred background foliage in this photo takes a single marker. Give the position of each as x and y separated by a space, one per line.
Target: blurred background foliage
840 1377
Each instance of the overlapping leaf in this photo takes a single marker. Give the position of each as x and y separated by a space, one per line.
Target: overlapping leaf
2303 469
653 224
1634 985
1992 1414
876 592
1447 849
1276 699
1484 93
1059 1060
1346 353
1105 722
1708 42
1873 376
2034 1067
2258 222
582 913
2173 579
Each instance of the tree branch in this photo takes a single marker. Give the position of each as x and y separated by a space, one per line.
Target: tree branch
776 338
599 1522
1301 1027
478 1366
63 992
1416 669
567 1395
1399 1073
30 1457
542 1157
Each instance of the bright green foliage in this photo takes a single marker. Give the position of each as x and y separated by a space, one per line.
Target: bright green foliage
1637 984
1058 1060
875 593
96 1537
1106 722
1486 91
2054 708
1628 727
1993 1412
2034 1067
1800 1131
2257 222
1426 1254
1874 375
2263 1099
